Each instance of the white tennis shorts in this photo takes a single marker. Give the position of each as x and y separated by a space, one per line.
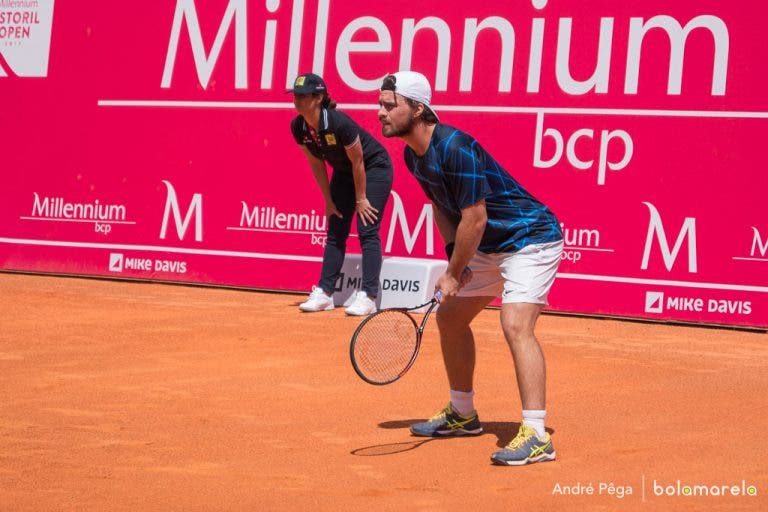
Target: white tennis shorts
522 276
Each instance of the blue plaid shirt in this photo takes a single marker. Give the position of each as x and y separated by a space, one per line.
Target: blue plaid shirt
456 172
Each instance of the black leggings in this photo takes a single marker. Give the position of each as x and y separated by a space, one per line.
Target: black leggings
378 184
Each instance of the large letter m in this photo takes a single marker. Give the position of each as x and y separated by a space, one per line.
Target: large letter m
204 63
172 205
399 217
656 227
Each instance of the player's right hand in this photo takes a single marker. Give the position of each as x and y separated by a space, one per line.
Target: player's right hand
466 277
449 286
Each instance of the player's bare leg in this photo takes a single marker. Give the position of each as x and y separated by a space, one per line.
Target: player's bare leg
532 443
456 339
458 347
518 321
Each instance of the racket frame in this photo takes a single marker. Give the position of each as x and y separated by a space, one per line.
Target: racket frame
419 329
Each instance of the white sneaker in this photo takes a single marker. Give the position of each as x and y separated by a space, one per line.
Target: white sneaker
361 306
318 301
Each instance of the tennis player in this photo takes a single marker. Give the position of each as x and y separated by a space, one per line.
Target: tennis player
361 183
511 242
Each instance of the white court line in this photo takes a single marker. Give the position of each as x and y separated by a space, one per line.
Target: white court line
200 104
665 282
291 257
157 248
56 219
575 248
446 108
294 232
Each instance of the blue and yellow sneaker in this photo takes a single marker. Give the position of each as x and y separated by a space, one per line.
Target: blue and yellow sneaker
525 448
448 423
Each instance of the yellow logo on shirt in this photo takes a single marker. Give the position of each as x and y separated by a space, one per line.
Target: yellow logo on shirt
330 139
299 81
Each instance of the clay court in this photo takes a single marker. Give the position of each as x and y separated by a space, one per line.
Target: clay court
144 396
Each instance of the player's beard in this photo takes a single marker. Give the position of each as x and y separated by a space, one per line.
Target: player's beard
404 130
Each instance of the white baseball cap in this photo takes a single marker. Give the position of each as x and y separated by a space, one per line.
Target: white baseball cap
415 86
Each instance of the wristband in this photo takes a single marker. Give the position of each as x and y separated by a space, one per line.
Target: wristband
449 249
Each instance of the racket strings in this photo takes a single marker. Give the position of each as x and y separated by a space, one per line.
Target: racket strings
385 345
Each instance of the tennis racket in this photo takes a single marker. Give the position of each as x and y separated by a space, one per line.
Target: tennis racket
386 343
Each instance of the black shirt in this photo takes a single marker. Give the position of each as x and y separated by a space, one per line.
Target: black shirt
336 132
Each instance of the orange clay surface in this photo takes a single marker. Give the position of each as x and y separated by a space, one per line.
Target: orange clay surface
143 396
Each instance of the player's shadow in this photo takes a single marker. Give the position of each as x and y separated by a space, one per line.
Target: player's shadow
503 430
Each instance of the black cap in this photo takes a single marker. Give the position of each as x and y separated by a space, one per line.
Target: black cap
308 83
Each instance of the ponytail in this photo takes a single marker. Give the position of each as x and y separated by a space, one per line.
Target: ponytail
328 102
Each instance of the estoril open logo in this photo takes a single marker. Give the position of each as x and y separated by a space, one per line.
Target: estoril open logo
25 37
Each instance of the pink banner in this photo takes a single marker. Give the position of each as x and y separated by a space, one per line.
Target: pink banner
153 142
